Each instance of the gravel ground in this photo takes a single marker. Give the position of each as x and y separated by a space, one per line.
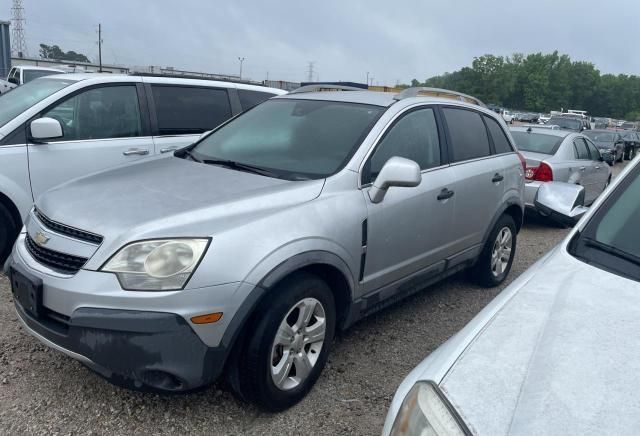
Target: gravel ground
43 391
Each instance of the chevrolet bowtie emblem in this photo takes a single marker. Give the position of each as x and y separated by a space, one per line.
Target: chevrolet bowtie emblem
41 238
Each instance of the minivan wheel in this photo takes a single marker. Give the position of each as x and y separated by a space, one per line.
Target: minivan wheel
289 345
496 258
8 232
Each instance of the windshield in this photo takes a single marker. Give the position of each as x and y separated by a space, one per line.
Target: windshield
30 75
610 240
566 123
601 136
537 142
292 138
23 97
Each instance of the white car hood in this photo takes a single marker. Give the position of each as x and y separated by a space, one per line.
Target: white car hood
562 356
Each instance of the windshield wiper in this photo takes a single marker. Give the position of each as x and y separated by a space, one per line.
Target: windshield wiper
590 242
241 167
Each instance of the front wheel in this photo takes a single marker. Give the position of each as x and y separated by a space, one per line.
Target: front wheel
495 261
289 344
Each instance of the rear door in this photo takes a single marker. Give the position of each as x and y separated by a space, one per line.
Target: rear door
600 169
180 114
479 173
587 176
104 126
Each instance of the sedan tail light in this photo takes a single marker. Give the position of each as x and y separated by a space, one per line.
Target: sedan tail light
542 173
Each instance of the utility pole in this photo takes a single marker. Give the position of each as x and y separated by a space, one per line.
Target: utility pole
241 61
18 40
310 72
367 78
100 47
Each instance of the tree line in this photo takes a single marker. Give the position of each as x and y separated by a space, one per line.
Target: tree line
544 82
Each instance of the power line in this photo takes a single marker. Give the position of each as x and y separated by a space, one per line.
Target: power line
18 42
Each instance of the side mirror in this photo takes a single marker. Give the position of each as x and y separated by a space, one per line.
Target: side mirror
563 202
45 128
13 80
398 171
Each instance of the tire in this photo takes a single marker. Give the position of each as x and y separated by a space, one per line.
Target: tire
259 354
632 153
621 159
485 273
8 233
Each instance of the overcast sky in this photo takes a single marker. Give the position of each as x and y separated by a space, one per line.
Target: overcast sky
393 40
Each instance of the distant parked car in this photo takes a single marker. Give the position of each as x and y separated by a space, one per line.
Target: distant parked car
631 143
6 86
22 74
507 116
559 155
569 123
555 353
57 128
629 126
609 143
543 118
529 118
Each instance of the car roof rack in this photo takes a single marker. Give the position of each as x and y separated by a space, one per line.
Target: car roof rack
326 87
420 91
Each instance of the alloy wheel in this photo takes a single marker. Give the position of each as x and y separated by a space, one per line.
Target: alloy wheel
297 345
501 254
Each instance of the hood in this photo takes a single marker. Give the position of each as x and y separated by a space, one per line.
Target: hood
560 357
533 159
169 197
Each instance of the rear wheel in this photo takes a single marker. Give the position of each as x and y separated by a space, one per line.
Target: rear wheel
289 344
8 233
495 261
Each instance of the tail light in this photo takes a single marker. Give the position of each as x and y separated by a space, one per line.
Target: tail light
542 173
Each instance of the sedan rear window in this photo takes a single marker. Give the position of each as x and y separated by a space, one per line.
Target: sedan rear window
537 142
601 136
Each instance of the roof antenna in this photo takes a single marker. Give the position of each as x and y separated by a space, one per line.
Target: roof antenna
529 130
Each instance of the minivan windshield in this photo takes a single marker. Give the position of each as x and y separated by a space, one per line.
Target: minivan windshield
610 240
291 139
23 97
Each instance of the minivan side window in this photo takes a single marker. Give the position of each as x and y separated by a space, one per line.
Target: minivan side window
580 148
99 113
187 110
249 99
468 134
500 141
414 136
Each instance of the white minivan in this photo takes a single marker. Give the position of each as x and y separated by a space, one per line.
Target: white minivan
61 127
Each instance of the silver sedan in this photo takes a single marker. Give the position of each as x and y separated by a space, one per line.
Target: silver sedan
557 352
561 156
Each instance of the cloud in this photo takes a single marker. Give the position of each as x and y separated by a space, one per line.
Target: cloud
390 40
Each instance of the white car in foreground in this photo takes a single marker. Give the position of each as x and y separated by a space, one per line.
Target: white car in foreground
558 351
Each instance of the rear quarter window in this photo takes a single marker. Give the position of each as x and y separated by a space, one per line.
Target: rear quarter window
249 99
467 134
500 140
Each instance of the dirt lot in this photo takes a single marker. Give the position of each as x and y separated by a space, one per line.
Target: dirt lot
43 391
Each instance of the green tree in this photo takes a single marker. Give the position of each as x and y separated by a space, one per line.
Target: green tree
55 52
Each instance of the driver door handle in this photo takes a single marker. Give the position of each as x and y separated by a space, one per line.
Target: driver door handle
445 194
497 178
168 149
136 151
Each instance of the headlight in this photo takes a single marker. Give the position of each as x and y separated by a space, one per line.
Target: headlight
158 265
426 412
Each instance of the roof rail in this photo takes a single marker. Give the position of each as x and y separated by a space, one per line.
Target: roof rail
420 91
324 88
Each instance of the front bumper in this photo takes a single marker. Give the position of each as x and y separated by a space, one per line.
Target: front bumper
140 340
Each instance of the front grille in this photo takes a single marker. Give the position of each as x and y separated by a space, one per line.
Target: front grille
55 260
66 230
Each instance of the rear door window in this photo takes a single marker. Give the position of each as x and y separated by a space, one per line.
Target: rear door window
500 140
581 150
249 99
593 150
467 133
185 110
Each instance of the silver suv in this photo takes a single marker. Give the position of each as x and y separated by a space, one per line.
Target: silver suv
245 252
